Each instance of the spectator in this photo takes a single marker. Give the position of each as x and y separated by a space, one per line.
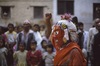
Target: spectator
3 35
38 38
18 29
42 30
3 53
11 37
20 55
96 47
75 21
92 32
49 56
34 56
26 36
83 37
44 45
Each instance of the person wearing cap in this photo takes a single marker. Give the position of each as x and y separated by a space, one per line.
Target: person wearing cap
68 53
26 36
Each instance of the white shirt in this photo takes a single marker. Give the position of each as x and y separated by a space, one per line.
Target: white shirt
38 38
86 35
11 36
92 32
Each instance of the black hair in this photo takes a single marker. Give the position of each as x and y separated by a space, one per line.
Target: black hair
10 24
2 38
75 20
37 26
43 41
34 42
80 24
22 43
50 46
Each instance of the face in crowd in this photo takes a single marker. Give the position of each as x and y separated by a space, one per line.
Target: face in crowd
10 27
26 26
97 21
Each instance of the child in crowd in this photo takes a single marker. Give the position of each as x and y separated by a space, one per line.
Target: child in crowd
44 45
20 55
49 56
42 30
3 53
34 56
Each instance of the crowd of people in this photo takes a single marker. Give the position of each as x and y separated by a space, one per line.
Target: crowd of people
37 45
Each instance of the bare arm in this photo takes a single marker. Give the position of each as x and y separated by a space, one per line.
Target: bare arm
48 24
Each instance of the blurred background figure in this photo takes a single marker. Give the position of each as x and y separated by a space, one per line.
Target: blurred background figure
96 47
83 37
3 52
42 30
11 37
92 32
49 55
38 38
26 35
75 21
20 56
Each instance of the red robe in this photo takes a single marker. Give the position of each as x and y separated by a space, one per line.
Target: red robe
70 55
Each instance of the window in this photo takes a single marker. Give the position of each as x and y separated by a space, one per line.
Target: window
65 6
38 12
96 10
5 12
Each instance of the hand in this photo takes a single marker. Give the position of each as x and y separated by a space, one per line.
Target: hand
48 16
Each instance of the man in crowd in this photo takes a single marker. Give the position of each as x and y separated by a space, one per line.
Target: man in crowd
92 32
26 36
83 37
96 47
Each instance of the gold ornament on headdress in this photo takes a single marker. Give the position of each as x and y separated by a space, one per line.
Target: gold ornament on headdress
64 26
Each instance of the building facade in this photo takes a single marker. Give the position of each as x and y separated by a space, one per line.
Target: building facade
16 11
85 10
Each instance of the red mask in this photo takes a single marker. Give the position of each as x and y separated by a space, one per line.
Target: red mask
57 36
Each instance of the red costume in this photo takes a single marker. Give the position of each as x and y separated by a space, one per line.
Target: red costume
67 54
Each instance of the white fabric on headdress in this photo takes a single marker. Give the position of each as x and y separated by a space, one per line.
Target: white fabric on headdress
26 21
70 24
70 27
